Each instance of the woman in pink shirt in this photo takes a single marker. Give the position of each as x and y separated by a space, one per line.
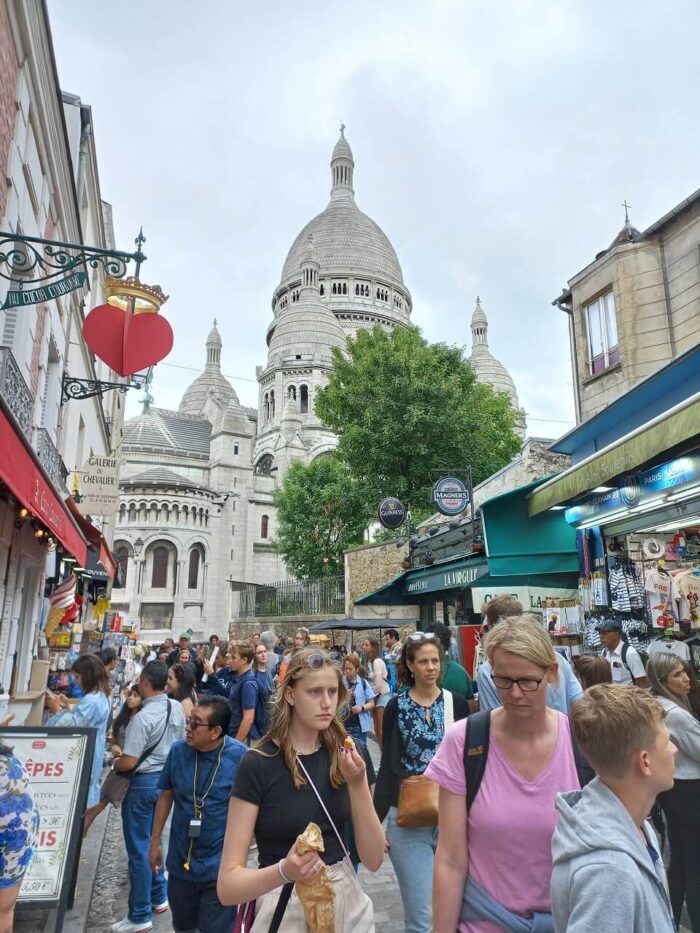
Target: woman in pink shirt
493 865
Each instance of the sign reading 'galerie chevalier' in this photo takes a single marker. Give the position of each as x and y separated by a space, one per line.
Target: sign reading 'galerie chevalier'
98 486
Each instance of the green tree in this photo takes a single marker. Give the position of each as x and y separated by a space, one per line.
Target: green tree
402 407
320 513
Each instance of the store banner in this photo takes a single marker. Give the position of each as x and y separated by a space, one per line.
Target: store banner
98 486
532 598
59 763
454 578
671 477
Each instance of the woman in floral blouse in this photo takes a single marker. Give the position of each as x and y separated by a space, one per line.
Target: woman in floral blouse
19 823
414 725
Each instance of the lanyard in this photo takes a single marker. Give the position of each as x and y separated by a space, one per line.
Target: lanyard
198 800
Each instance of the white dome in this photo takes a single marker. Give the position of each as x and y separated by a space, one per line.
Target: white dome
211 382
306 329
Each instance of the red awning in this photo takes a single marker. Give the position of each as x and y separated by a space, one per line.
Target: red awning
96 539
21 472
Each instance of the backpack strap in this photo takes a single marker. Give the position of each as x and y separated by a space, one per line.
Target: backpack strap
476 750
623 655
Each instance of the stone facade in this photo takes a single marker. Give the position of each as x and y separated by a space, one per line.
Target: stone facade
654 278
366 569
535 461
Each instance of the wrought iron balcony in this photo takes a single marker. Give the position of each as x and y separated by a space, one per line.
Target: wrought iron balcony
15 391
50 459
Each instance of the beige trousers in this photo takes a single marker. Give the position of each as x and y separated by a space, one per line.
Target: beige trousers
354 911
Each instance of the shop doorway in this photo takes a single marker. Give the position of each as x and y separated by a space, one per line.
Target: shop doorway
27 619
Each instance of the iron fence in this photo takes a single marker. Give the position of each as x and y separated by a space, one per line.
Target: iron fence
294 597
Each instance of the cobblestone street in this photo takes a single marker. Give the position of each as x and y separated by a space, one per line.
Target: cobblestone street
109 902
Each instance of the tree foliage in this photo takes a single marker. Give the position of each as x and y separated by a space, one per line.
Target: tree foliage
402 407
320 513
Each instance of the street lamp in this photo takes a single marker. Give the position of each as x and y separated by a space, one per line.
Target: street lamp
138 547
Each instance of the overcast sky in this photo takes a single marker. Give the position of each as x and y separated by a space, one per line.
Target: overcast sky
493 143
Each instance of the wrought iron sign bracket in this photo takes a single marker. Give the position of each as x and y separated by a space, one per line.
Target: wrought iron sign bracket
45 269
88 388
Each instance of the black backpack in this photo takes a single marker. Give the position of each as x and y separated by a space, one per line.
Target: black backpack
642 654
476 751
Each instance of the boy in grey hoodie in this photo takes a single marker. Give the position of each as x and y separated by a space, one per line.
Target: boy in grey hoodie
608 874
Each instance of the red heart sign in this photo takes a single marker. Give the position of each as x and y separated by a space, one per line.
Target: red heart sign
127 342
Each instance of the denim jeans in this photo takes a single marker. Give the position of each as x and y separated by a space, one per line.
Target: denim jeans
412 854
138 809
195 906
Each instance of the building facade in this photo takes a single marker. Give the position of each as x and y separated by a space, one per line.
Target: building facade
635 308
196 521
49 190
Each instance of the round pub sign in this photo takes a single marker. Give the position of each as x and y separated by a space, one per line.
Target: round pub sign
392 512
450 495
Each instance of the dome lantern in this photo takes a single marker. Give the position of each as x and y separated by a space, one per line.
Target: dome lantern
213 346
309 266
342 168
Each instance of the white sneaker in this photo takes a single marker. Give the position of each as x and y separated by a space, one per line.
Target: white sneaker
126 926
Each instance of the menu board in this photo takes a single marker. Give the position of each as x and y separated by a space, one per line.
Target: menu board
59 764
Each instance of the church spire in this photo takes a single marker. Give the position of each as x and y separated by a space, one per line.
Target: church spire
309 266
213 346
480 326
342 168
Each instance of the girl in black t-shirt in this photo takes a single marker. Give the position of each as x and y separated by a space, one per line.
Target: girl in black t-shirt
300 773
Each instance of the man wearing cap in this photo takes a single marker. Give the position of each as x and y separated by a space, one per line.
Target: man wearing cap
627 666
183 645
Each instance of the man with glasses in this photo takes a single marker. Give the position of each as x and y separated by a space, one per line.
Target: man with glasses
149 737
196 784
560 696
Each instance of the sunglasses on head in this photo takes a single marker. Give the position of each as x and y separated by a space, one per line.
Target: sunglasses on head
422 636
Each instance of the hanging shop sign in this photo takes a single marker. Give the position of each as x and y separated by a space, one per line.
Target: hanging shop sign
456 578
450 496
98 486
531 597
20 298
663 482
59 763
392 512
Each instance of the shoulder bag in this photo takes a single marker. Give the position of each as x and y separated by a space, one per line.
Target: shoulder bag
117 783
418 795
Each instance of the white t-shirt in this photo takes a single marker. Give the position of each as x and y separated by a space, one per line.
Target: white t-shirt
659 590
670 646
687 588
621 669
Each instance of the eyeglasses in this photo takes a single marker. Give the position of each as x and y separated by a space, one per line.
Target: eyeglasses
191 723
422 636
528 684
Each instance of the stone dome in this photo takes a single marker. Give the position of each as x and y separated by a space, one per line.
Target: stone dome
211 382
347 241
306 329
485 365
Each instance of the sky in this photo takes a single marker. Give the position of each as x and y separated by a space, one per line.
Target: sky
494 143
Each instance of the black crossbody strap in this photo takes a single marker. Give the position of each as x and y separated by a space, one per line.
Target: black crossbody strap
476 750
152 748
282 902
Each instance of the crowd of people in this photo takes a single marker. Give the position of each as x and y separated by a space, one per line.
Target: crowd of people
520 806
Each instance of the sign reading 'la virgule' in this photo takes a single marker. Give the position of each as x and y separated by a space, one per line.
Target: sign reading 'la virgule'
36 296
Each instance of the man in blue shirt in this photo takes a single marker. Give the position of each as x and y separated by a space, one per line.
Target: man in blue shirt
560 696
243 693
196 784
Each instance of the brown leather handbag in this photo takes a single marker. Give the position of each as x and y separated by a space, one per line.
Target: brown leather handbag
418 802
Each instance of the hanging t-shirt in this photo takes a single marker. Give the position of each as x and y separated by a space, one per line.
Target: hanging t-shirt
659 590
670 646
508 807
688 587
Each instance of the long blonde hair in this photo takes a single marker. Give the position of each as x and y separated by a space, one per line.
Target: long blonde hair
331 738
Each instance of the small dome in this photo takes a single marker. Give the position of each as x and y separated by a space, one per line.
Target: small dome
485 365
211 383
214 338
306 328
479 316
342 147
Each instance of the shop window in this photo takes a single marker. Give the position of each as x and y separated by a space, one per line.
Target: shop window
601 324
122 558
159 571
264 526
193 570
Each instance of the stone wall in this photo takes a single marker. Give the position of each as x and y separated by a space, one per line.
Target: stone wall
535 461
366 569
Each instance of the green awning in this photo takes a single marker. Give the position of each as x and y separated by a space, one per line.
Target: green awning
623 457
518 544
408 587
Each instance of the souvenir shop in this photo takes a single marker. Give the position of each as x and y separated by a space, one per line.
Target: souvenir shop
635 507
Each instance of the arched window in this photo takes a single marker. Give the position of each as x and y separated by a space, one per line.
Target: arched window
159 571
292 393
264 465
272 404
193 570
235 450
357 289
264 526
322 291
122 557
303 399
345 288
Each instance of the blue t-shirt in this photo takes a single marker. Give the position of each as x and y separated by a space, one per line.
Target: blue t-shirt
177 775
243 694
